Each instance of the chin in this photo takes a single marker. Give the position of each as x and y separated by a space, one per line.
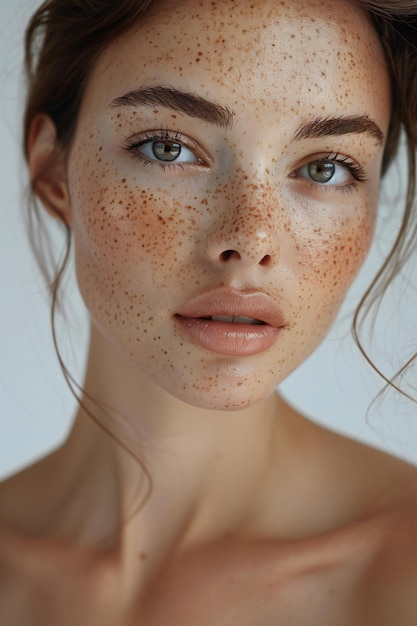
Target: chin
224 396
222 403
220 383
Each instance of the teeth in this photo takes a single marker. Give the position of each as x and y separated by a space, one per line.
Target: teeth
235 320
244 320
222 318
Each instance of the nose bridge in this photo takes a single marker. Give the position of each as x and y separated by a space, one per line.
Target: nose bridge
245 228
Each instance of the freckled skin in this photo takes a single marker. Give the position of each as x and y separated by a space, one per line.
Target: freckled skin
256 516
148 240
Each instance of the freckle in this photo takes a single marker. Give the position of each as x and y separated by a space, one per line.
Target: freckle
143 556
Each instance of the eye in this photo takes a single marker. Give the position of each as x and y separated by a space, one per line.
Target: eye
164 150
331 171
324 172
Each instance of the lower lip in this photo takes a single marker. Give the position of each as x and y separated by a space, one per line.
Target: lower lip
229 339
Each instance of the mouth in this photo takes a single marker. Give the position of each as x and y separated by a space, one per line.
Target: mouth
230 322
234 319
231 306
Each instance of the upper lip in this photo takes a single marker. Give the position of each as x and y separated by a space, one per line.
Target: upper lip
230 302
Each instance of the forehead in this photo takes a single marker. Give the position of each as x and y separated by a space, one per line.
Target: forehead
284 54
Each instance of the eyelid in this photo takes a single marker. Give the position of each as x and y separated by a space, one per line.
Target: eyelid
356 170
163 134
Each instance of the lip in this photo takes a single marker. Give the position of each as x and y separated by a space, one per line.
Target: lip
227 338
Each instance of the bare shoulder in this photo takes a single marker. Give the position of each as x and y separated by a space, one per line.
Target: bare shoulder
26 498
377 495
44 582
388 590
377 480
13 590
20 496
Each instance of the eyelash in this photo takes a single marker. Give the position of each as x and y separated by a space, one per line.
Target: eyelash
357 171
130 144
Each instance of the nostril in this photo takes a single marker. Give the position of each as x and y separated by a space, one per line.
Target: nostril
229 254
265 261
234 254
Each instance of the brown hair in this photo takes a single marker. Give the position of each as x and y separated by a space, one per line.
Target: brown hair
395 22
64 39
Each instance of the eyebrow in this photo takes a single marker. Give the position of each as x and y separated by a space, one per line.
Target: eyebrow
183 102
330 126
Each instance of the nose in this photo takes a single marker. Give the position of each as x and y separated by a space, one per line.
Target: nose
245 226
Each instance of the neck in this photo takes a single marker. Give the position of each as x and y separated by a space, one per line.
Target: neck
195 457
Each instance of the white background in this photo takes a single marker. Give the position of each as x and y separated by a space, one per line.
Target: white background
334 387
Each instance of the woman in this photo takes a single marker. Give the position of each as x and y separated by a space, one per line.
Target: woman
217 165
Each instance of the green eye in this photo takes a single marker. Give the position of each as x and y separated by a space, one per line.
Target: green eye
321 171
163 151
166 150
333 171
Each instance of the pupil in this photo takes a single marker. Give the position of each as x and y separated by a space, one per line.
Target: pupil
166 150
322 171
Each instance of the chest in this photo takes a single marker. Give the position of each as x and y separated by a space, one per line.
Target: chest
301 604
252 594
213 589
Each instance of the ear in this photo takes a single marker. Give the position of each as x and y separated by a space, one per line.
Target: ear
47 168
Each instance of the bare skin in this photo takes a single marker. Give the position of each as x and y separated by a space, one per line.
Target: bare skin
256 515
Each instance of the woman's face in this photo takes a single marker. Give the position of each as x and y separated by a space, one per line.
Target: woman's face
260 199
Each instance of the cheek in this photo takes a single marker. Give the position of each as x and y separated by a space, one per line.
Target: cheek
334 257
329 260
126 227
129 245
